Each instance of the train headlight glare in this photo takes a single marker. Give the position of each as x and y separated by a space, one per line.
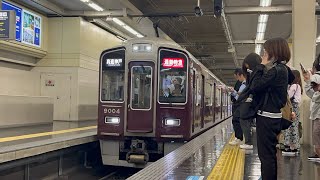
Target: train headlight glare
112 120
172 122
142 47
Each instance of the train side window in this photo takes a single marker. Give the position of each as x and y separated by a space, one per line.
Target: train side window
112 75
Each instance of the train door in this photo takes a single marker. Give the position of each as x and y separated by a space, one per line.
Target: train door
214 102
140 97
202 105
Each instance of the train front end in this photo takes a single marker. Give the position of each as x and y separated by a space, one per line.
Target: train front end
143 103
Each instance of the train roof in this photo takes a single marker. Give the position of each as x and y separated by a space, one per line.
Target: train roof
169 44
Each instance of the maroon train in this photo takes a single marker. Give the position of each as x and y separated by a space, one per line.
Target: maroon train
153 97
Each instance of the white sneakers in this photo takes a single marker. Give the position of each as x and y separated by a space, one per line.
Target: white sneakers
246 146
235 141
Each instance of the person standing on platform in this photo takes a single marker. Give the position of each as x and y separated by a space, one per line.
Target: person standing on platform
313 91
249 66
235 108
291 135
269 87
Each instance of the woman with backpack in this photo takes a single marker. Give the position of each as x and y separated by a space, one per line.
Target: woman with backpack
291 135
269 87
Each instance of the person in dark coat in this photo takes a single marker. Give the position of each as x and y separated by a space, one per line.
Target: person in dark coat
269 87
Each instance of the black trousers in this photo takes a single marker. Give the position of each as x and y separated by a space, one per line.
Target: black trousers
267 131
246 129
236 124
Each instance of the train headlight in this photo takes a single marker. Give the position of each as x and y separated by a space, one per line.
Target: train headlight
172 122
142 47
112 120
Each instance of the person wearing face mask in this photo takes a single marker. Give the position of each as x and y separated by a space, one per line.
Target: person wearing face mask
269 87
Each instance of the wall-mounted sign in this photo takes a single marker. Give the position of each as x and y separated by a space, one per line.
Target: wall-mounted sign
31 28
113 62
49 82
7 25
11 7
173 62
27 26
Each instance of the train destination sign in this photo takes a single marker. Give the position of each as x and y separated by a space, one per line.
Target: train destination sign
7 25
114 62
173 62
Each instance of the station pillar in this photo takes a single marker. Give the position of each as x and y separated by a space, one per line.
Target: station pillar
304 26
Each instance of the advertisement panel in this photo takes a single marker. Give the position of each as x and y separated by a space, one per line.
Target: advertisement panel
31 28
28 25
11 7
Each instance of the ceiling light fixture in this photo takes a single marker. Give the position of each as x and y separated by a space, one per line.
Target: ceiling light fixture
84 1
126 27
95 6
262 25
258 49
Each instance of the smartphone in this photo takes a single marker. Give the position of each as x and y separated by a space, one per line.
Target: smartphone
302 68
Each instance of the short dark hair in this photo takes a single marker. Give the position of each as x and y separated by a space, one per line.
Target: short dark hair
278 49
238 71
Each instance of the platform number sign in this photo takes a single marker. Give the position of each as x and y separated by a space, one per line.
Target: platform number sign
111 110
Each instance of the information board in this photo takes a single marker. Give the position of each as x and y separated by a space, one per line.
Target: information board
8 6
28 25
7 25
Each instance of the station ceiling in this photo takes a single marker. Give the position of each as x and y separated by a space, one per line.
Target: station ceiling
206 37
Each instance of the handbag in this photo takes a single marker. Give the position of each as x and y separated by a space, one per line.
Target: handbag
247 110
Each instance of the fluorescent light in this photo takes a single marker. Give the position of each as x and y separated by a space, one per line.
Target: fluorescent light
84 1
139 36
263 18
261 27
260 36
126 27
95 6
258 48
118 21
265 3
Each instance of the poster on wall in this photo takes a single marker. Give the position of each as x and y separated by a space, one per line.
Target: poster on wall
11 7
31 28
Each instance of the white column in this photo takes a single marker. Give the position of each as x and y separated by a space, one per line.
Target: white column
304 46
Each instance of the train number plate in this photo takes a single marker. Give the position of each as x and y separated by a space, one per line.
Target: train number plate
111 110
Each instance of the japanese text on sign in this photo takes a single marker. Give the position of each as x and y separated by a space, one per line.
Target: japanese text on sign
173 62
114 62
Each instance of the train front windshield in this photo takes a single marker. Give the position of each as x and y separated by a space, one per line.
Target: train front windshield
112 77
172 77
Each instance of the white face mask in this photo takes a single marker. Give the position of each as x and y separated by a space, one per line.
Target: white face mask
249 71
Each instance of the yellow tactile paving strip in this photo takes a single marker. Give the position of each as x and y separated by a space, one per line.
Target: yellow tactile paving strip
230 165
29 136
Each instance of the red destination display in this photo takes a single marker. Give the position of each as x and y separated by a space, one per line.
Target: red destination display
173 62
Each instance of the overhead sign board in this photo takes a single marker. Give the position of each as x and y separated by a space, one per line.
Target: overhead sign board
7 25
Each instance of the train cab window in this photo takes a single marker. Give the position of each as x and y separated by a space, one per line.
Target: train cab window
172 77
112 75
141 80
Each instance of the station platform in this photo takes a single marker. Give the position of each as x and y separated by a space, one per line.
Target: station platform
209 156
25 142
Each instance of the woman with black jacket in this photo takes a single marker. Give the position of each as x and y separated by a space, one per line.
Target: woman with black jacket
269 87
248 67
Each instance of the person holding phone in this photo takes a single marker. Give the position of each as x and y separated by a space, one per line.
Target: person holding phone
312 88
